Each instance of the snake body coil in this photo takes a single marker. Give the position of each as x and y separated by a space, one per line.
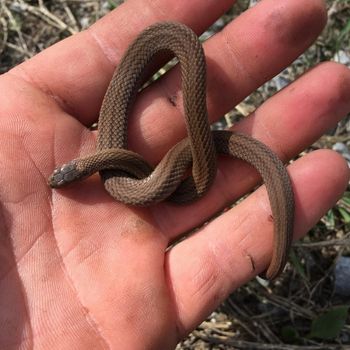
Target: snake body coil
129 179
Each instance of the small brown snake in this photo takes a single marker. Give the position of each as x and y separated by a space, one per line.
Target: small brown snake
129 179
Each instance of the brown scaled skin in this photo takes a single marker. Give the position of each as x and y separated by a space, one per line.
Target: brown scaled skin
199 149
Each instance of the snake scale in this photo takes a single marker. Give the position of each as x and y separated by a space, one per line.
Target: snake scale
131 180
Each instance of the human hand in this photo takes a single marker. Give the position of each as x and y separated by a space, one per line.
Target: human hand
80 270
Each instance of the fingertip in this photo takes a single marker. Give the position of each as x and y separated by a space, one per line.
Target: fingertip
319 180
319 9
330 167
337 77
339 172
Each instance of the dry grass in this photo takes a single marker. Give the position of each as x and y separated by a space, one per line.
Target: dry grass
278 315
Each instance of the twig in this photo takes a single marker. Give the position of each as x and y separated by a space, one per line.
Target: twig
43 13
14 25
241 344
4 35
18 49
70 15
331 242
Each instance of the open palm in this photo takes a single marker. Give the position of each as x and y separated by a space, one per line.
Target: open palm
80 270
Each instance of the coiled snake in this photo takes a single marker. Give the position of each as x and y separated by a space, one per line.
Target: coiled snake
127 176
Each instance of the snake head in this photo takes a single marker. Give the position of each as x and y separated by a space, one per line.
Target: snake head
64 175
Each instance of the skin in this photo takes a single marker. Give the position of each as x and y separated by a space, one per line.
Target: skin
81 271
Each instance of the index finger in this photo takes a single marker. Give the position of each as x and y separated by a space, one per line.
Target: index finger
77 70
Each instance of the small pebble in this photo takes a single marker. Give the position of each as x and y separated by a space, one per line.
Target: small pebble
342 277
342 57
341 148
